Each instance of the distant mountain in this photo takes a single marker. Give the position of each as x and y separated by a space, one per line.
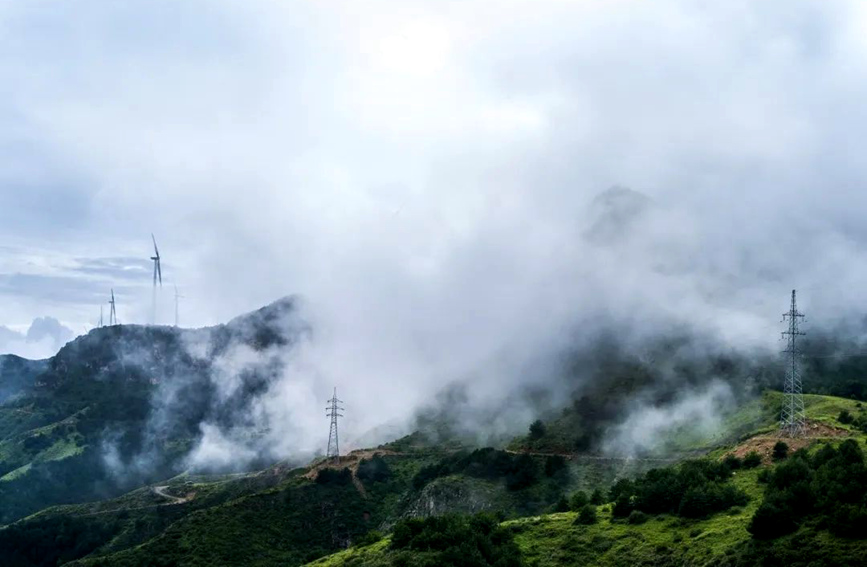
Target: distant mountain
122 405
614 214
44 338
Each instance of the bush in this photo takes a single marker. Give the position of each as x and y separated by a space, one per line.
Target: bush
471 541
732 462
524 473
369 538
751 460
637 517
578 500
562 505
597 498
334 476
374 470
554 464
830 486
781 451
537 430
587 515
845 417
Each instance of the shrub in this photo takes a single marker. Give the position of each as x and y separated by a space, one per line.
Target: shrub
587 515
578 500
374 470
524 473
554 464
334 476
781 451
562 505
471 541
637 517
622 506
751 460
845 417
732 462
537 430
597 498
369 538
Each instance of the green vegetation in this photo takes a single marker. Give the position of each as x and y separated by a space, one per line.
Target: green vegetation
828 488
694 489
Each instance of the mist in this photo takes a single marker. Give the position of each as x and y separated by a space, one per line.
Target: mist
461 193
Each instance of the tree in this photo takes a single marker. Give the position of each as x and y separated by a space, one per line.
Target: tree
845 417
587 515
752 460
781 451
537 430
562 505
578 500
597 498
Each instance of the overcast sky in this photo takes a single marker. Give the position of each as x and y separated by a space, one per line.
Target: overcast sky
422 173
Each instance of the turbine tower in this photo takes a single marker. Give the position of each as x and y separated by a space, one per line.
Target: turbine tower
333 410
178 297
792 417
158 276
112 316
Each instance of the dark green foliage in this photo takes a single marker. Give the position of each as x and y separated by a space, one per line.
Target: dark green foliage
554 464
537 430
562 505
374 470
52 541
37 443
587 515
694 489
637 517
732 462
845 417
467 541
781 451
518 471
578 500
751 460
524 473
830 486
597 498
369 538
340 477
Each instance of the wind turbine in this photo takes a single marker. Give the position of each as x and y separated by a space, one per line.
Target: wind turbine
178 297
158 276
112 317
100 318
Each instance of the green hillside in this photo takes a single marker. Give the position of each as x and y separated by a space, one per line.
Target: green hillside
560 539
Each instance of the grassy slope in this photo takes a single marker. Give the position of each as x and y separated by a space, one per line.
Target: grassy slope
554 541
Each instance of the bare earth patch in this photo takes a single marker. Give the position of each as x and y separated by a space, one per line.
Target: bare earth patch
764 444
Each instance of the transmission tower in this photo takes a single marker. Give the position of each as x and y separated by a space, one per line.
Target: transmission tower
333 410
792 417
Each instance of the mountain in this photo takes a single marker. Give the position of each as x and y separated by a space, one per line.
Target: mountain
45 337
96 446
123 406
290 516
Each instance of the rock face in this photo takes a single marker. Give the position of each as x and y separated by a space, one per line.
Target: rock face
453 495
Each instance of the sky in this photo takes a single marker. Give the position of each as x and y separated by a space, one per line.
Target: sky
427 175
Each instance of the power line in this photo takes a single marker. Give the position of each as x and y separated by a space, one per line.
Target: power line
792 416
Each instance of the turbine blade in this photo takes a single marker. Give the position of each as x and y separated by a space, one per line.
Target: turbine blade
156 250
160 272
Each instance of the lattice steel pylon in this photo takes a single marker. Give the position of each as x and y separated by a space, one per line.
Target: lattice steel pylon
792 417
334 410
